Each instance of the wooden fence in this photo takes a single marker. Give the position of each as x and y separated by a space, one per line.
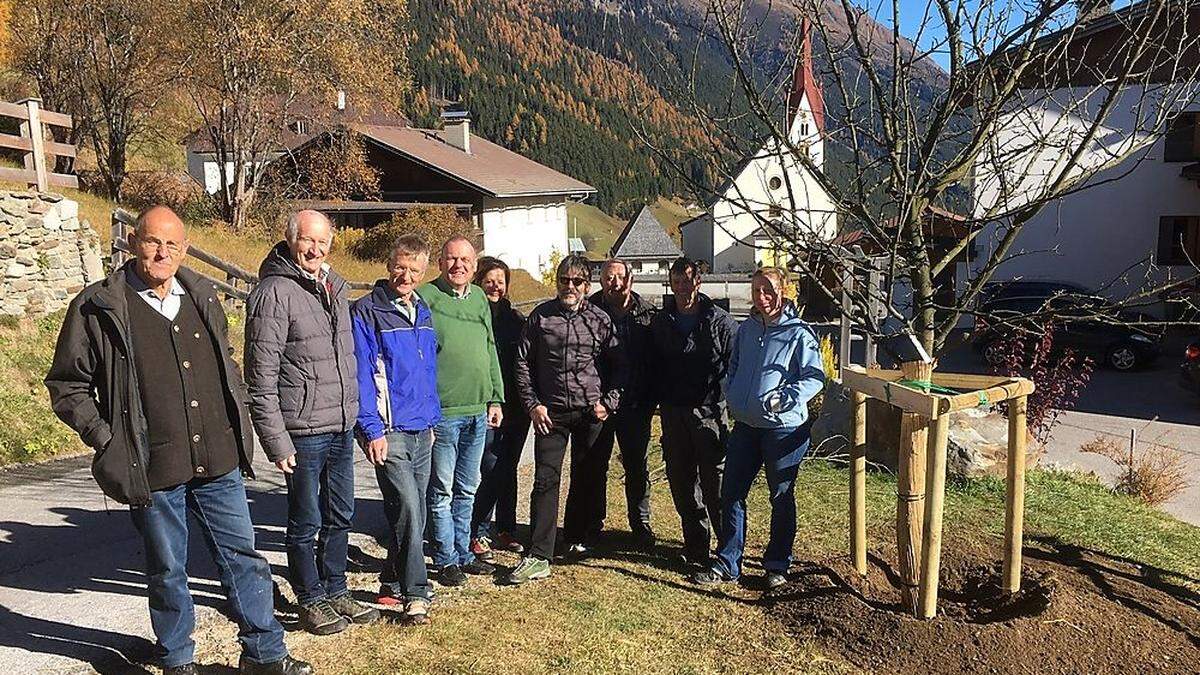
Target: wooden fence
237 283
36 146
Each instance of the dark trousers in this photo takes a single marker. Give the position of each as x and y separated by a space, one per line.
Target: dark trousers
219 505
498 486
586 487
403 479
320 511
693 446
780 452
631 430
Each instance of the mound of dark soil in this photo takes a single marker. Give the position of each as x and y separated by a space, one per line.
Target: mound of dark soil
1078 612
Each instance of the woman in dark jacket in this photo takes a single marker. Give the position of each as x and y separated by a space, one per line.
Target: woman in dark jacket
498 488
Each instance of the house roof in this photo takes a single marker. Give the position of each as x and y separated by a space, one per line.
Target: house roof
318 116
491 169
644 237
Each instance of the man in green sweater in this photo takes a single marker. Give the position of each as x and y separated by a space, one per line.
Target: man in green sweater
471 391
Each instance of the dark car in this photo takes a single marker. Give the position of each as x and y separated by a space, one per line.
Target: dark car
1189 370
995 291
1084 323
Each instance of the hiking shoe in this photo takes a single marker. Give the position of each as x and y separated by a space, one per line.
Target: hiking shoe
285 666
481 548
451 575
643 538
479 568
709 577
353 610
185 669
576 552
320 618
774 580
506 542
530 569
416 610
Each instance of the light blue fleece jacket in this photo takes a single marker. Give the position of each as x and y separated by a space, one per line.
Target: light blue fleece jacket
782 359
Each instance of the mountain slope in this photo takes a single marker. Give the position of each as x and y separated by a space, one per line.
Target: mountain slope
575 83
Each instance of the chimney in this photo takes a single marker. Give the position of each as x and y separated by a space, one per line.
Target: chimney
341 99
1090 10
456 123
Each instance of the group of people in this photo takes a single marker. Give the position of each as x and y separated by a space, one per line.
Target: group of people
438 384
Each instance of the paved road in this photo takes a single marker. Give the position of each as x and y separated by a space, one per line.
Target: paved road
72 591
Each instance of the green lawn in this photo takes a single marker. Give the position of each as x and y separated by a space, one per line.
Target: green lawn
628 612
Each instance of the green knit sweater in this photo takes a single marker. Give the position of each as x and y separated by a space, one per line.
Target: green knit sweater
468 370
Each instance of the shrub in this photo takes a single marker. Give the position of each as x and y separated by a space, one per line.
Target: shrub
829 365
1153 476
435 223
30 431
1058 377
177 190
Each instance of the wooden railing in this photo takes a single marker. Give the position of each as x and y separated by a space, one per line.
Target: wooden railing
238 282
36 146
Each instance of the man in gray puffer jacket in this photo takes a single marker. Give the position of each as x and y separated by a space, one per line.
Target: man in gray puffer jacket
301 373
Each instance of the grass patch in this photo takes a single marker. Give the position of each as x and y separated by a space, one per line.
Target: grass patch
30 432
627 612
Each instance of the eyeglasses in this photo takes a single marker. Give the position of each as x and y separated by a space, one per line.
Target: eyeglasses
572 281
155 245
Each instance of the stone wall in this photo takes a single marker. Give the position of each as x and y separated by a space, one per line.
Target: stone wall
46 254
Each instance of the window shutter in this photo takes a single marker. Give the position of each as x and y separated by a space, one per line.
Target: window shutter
1166 244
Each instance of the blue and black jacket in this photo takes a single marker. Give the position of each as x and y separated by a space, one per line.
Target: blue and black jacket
781 359
397 365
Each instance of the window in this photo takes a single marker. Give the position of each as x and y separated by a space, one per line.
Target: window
804 128
774 183
1182 138
1178 240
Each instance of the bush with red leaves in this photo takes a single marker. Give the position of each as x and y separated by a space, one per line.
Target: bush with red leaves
1059 376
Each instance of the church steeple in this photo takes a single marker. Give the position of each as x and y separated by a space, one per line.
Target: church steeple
805 84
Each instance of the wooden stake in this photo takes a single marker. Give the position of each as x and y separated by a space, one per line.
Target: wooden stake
858 482
35 159
1014 515
935 493
910 493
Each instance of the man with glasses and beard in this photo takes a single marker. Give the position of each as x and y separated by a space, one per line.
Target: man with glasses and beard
568 373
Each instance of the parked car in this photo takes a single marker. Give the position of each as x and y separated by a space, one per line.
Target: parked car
1084 323
1189 370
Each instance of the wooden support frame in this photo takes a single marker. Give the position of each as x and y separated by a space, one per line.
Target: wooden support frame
925 422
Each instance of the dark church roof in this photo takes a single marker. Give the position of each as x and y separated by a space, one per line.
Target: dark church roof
644 237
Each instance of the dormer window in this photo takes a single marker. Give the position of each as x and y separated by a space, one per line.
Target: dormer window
299 127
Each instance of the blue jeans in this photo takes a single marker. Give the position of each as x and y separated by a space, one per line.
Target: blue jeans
498 485
749 448
457 453
402 480
219 505
320 510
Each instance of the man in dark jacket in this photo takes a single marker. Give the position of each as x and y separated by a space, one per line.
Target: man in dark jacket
568 373
144 374
691 342
304 400
630 425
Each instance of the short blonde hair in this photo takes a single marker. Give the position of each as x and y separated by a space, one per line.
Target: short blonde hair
778 274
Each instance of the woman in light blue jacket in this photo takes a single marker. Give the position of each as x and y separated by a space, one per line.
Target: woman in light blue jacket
774 371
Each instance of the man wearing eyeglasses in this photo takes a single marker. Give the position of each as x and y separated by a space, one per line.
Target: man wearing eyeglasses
569 372
303 382
144 374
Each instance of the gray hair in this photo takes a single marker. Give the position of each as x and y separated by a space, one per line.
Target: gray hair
577 263
617 261
292 230
409 245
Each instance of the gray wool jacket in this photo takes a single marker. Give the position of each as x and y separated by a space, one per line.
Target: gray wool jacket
300 366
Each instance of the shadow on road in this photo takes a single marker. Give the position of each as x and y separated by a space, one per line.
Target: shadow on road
99 552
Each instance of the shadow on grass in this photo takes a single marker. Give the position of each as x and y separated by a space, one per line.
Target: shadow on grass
1125 581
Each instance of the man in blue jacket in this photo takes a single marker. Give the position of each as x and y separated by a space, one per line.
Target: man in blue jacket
396 349
774 371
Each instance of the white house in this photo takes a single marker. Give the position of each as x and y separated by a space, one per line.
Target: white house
1134 225
770 186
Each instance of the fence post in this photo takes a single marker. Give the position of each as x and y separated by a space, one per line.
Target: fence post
875 280
846 334
35 160
119 238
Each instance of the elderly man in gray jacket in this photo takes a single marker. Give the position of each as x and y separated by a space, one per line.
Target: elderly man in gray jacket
300 369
